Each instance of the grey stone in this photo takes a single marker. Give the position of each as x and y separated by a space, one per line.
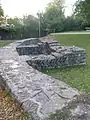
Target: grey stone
33 47
77 109
39 94
41 53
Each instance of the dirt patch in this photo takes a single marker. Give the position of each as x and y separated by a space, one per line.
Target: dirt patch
9 109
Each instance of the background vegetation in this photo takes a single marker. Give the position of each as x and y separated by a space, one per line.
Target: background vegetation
51 21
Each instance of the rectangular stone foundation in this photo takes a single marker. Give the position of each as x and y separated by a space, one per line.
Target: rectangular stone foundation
50 54
56 60
39 94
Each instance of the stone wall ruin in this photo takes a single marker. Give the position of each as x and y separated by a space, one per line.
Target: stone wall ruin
39 94
46 53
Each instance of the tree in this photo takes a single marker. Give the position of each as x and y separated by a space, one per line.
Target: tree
74 23
15 21
30 24
83 9
1 12
25 27
1 15
53 16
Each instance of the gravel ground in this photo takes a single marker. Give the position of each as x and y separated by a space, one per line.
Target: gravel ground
9 109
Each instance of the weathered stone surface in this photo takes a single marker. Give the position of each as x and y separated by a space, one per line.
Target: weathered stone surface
39 94
50 54
42 61
33 47
78 109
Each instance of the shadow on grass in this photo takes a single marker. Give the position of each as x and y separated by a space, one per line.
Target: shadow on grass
77 76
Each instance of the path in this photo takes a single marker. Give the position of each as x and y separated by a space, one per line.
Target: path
63 33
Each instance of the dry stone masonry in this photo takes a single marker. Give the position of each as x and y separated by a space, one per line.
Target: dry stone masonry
48 53
39 94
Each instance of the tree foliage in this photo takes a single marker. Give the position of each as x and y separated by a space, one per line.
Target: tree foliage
51 20
54 20
24 27
30 25
1 12
1 15
54 16
83 9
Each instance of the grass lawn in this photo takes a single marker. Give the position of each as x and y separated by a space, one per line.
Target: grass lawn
77 77
4 42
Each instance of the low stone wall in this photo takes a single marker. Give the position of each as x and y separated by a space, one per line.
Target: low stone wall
39 94
40 48
50 54
55 60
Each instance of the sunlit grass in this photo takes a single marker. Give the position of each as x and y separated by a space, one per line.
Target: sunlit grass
4 42
77 77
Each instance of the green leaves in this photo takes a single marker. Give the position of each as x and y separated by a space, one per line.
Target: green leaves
82 8
54 15
1 12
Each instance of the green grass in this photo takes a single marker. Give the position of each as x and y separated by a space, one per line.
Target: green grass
4 42
77 77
